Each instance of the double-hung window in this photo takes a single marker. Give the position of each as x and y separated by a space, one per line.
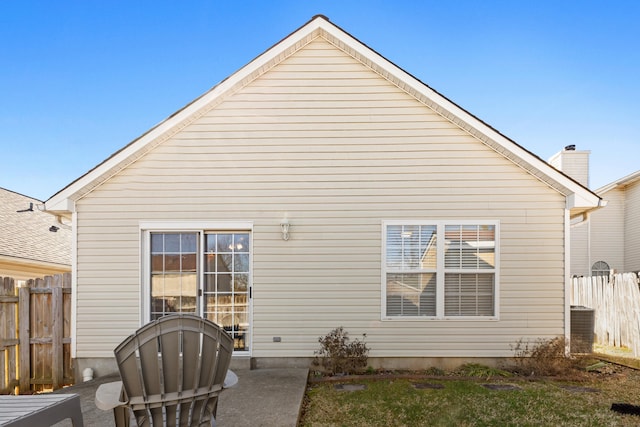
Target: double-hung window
440 269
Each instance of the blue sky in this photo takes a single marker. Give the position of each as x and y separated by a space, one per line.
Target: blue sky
81 79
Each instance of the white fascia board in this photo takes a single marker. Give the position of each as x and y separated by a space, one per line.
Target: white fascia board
584 200
629 179
62 205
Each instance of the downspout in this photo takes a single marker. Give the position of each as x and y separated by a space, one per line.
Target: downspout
567 278
589 263
74 281
62 224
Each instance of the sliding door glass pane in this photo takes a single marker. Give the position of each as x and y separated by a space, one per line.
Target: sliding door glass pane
174 279
226 276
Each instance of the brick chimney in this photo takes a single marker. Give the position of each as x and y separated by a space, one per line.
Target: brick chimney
573 162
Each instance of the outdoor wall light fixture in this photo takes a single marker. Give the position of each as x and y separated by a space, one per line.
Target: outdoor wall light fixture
284 226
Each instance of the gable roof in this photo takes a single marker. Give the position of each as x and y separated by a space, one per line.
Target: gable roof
25 232
579 198
622 182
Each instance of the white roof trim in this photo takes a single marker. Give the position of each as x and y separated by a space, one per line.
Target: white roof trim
629 179
17 261
319 26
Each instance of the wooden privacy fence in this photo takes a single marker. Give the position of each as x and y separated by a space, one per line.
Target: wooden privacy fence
616 303
35 334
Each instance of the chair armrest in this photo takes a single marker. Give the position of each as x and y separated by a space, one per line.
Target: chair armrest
108 396
230 380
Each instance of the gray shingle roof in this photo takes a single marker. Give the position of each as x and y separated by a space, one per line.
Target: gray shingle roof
26 235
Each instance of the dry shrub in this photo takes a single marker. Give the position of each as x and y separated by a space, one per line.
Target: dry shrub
543 357
338 355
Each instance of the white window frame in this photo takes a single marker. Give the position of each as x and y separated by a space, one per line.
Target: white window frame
600 271
440 270
148 227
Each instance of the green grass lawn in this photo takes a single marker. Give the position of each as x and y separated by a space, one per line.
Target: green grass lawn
466 402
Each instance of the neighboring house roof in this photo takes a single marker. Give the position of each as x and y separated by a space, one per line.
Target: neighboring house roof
579 198
25 235
622 182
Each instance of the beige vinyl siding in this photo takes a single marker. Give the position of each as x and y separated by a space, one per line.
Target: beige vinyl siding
331 145
632 227
580 265
608 231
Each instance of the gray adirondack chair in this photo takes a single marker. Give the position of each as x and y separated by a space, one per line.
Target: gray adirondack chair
173 370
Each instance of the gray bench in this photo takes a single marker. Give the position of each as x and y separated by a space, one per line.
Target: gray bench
40 410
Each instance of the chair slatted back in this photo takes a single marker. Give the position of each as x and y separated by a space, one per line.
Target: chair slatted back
173 369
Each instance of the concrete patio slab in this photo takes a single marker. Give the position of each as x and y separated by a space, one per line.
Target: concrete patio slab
262 397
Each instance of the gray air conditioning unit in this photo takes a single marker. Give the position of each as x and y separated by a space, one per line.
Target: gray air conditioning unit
582 326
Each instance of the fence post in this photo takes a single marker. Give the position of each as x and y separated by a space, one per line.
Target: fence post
57 302
8 335
24 335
